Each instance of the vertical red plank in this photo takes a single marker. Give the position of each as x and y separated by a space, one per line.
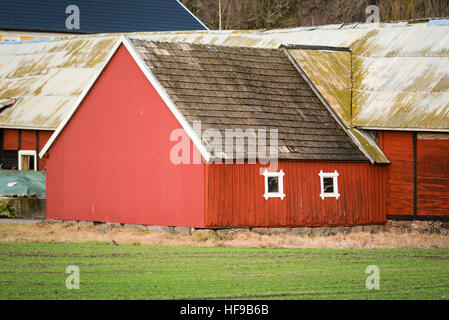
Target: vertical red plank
433 176
206 194
398 147
28 140
10 139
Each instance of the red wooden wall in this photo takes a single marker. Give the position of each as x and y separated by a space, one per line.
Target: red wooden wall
11 139
234 195
433 177
43 138
432 166
112 161
27 141
398 147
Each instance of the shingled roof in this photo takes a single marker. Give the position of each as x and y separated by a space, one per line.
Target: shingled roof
248 88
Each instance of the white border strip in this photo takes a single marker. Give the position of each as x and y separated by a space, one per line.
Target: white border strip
28 153
280 176
402 129
334 176
12 126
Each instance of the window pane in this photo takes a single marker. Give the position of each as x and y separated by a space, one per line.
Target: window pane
273 184
328 185
9 159
31 162
25 162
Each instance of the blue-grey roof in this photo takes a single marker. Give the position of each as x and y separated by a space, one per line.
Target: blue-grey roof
98 16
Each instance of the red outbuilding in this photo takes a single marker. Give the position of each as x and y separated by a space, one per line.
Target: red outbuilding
154 141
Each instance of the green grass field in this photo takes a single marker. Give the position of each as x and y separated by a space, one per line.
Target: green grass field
37 271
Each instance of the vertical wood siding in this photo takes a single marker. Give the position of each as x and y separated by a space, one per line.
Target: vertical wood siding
234 195
10 139
112 161
432 161
27 141
398 147
43 138
433 177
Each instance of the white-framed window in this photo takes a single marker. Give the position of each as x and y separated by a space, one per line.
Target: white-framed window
27 160
329 184
274 184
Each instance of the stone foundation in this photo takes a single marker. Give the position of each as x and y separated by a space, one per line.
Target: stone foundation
396 227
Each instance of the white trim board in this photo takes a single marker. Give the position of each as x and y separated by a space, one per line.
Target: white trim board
402 129
334 177
280 176
32 153
153 81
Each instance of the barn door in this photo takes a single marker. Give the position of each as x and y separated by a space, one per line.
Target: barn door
432 173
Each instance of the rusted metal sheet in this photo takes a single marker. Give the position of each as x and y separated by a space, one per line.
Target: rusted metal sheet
46 78
400 75
330 71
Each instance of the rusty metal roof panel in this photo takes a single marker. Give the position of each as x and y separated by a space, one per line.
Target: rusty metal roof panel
401 79
400 73
400 70
330 71
47 77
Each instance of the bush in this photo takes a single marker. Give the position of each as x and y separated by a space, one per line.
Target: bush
7 208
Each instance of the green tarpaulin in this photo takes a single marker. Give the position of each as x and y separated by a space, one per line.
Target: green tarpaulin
22 182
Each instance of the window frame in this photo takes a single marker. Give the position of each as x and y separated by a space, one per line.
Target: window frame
334 175
280 176
27 153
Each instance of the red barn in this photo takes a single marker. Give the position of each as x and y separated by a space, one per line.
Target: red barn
418 177
40 81
391 83
148 144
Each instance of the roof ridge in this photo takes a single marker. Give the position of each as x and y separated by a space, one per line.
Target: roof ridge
171 42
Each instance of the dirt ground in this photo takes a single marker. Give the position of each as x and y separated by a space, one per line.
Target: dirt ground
65 233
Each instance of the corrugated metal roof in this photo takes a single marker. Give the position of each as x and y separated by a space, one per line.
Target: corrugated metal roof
401 79
47 77
335 85
400 72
